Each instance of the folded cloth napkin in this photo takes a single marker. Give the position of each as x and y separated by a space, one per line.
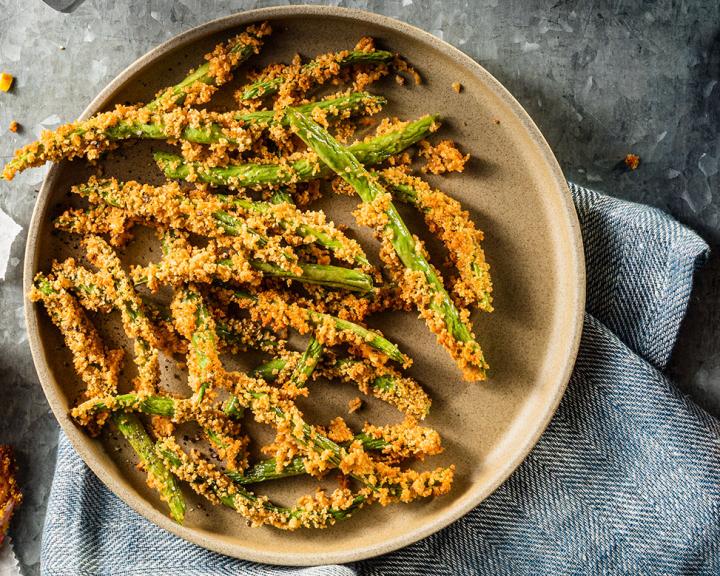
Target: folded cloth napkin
626 479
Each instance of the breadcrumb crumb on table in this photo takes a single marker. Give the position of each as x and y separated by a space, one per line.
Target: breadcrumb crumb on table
6 81
632 161
457 87
14 126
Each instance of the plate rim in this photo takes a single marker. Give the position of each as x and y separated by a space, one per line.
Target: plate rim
80 442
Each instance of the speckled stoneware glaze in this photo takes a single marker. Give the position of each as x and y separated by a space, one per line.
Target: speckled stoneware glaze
514 191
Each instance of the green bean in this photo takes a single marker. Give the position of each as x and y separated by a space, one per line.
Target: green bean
268 86
342 161
161 478
252 175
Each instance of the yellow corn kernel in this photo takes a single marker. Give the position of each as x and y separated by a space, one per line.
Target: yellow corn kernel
6 81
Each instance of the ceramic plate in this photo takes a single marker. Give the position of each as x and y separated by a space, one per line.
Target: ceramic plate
514 191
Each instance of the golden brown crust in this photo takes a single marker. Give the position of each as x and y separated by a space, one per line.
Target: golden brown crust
114 222
406 440
443 157
339 431
383 382
270 309
98 368
10 496
446 219
311 511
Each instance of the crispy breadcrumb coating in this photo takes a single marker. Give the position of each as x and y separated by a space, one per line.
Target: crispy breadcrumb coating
446 218
319 510
102 219
270 309
413 288
10 496
443 157
339 431
383 382
117 283
406 440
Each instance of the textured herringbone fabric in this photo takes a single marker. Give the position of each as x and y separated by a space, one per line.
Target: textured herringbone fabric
626 479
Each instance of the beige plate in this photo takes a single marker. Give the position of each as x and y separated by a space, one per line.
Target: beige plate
515 192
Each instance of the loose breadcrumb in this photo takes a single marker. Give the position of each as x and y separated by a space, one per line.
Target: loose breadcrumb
355 404
402 66
98 368
14 126
632 161
6 81
457 87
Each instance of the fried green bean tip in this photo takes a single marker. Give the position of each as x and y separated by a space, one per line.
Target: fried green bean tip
159 476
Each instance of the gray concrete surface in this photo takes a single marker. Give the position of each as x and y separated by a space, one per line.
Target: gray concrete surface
601 78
